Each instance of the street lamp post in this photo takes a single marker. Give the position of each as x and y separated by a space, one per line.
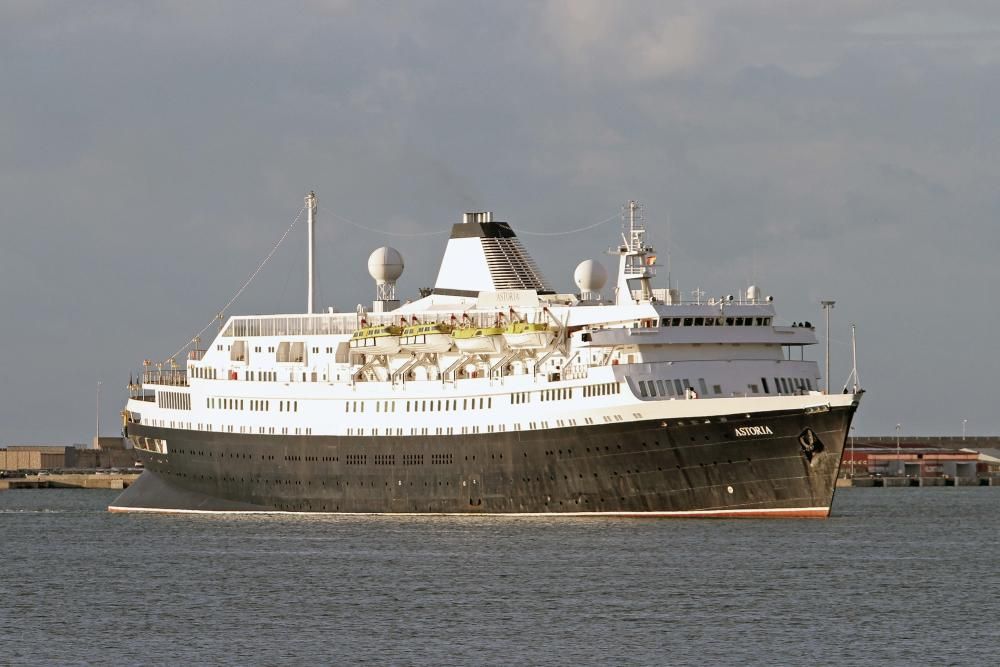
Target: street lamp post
898 454
97 412
827 306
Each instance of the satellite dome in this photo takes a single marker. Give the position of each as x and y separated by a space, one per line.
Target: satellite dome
590 276
385 264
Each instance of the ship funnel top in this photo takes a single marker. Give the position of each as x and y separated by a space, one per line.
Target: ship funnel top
484 255
477 216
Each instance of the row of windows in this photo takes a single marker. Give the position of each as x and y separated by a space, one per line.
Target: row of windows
156 445
204 373
224 403
785 385
556 394
682 387
603 389
654 388
716 321
256 405
173 400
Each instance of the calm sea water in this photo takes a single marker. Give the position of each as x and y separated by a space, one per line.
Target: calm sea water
897 576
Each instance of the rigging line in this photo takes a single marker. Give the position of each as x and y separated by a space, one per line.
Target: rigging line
383 231
245 284
445 231
616 216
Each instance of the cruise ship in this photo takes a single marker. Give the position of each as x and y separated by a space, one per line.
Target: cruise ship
494 394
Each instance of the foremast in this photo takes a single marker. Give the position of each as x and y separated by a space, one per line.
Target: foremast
637 261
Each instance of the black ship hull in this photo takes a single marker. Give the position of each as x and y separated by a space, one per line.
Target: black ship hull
767 464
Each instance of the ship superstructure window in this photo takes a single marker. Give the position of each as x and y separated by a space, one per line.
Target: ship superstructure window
238 351
715 321
603 389
173 400
520 397
156 445
556 394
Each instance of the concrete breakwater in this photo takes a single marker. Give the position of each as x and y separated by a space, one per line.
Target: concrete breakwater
70 481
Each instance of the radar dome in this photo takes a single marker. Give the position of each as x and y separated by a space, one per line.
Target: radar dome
590 276
385 265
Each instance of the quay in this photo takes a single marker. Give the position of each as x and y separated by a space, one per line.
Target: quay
905 461
89 480
107 464
901 482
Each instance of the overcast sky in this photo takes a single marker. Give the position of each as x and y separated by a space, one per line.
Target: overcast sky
151 154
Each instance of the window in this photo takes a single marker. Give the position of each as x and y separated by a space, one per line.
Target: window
642 389
763 382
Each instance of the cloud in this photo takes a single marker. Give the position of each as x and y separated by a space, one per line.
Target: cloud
634 42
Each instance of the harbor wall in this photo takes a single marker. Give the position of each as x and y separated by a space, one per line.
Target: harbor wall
53 457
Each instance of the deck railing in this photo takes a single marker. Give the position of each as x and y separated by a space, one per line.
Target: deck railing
173 377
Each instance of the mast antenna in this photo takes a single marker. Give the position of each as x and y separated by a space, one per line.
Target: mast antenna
310 221
854 362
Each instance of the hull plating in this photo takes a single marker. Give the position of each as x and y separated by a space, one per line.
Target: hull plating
779 464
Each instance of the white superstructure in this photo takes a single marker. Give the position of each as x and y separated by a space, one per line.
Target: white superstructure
640 354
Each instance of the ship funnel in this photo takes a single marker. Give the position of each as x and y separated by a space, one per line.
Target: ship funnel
484 255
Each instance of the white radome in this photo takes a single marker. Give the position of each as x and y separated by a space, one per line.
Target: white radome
385 264
590 276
